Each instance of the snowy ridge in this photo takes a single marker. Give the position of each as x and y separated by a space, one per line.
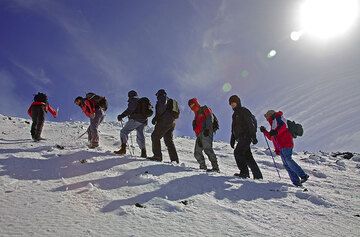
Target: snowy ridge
46 190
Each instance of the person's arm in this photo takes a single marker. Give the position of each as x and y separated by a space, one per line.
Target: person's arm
130 109
52 111
29 111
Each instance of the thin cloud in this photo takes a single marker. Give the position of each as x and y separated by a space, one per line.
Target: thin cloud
38 75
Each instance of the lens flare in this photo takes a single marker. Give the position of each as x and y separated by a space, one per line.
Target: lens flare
244 73
271 54
227 87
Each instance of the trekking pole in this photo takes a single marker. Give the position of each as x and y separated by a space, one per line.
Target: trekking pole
82 135
272 157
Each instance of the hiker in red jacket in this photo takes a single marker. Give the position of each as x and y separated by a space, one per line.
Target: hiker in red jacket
203 128
283 142
96 114
37 111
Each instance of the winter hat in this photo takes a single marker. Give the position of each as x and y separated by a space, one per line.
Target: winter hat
234 99
132 94
269 113
193 101
78 98
161 92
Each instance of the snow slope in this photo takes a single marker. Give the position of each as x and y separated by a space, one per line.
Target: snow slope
47 191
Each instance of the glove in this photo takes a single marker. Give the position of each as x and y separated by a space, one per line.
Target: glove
254 141
232 142
194 124
153 121
119 118
273 133
206 132
262 129
199 143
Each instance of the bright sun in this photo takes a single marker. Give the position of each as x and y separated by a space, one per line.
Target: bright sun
328 18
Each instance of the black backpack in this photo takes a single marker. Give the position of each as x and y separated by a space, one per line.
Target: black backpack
295 129
173 106
40 97
144 107
98 100
253 123
215 123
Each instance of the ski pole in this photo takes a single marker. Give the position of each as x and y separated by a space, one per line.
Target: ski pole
272 157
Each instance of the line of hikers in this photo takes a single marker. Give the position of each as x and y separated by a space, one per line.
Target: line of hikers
205 124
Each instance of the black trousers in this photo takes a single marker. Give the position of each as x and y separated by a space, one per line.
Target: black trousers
164 130
38 118
245 160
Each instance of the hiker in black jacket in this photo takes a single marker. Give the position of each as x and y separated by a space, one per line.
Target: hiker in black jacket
164 122
243 130
137 121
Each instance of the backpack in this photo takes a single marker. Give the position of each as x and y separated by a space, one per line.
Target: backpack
173 106
294 128
144 107
215 121
40 97
253 124
98 100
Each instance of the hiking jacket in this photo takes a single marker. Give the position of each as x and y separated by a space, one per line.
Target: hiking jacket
283 139
162 114
241 124
132 111
203 120
46 107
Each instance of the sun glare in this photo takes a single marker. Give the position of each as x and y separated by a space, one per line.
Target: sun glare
328 18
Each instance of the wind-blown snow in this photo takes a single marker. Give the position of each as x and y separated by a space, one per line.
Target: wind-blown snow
46 190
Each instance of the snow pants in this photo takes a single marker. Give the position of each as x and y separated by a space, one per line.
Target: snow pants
205 144
245 160
129 127
164 130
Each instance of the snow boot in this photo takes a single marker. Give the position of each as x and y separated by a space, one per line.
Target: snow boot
155 158
242 176
217 170
203 167
304 179
93 145
122 150
143 153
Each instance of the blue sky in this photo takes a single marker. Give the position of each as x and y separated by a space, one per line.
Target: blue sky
190 48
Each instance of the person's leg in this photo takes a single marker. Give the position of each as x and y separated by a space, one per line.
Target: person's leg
293 165
293 176
209 151
40 122
156 136
94 125
240 158
251 163
34 123
198 153
124 132
169 142
140 137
